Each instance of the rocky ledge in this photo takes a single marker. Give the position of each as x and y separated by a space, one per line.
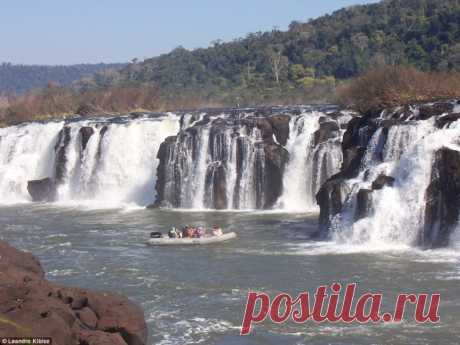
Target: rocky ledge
31 306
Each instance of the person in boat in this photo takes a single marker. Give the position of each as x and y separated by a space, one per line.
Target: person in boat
217 231
174 233
200 232
191 232
185 231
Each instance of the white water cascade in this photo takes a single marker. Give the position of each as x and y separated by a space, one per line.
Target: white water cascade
118 165
26 153
309 165
396 217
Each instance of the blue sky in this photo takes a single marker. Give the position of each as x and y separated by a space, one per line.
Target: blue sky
68 32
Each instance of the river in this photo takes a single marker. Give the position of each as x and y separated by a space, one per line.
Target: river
197 295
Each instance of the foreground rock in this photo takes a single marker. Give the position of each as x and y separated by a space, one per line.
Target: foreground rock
31 306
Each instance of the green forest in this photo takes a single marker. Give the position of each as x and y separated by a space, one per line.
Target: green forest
309 58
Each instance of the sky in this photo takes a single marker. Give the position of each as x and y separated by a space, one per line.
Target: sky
66 32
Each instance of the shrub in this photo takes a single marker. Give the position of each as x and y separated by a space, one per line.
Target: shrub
388 86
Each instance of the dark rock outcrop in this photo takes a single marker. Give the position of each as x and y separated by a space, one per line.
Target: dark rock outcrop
327 130
439 108
164 155
60 150
85 133
363 203
280 125
442 121
331 198
216 182
276 158
381 181
442 199
42 190
30 306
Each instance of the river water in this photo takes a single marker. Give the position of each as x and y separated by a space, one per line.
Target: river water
197 295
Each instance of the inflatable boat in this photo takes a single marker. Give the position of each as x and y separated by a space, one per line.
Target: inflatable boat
166 241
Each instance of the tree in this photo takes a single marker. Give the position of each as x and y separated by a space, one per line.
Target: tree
277 60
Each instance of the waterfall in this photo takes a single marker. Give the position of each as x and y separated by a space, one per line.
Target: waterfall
101 163
397 214
26 153
230 159
214 163
118 164
310 164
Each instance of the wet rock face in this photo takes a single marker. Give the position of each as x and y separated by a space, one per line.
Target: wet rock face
42 190
239 149
280 125
382 181
439 108
276 158
442 199
30 306
327 130
61 149
166 175
86 133
363 203
330 198
216 182
442 121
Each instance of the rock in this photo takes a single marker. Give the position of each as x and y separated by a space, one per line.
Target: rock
12 257
427 111
30 306
327 130
442 199
166 174
217 183
100 338
363 204
280 125
351 135
76 298
266 129
88 317
85 133
352 159
276 158
442 121
61 149
42 190
118 315
330 199
381 181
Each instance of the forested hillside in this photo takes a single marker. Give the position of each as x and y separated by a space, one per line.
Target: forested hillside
307 57
307 63
18 79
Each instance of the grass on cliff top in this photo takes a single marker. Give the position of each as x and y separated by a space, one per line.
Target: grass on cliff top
389 86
